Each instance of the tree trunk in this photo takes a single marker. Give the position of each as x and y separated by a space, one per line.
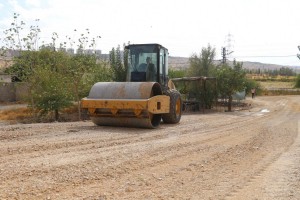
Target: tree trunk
56 114
79 110
229 103
78 103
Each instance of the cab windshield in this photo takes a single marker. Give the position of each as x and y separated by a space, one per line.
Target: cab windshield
142 63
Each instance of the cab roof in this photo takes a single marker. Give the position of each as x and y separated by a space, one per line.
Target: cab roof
150 44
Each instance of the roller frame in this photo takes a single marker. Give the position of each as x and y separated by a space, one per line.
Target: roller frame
159 104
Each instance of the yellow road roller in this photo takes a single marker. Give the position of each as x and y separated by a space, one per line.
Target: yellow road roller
144 100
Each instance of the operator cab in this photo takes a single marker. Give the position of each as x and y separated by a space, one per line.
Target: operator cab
147 63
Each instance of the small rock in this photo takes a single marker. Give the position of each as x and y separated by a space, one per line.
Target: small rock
129 189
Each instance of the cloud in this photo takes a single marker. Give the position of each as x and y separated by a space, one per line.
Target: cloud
35 3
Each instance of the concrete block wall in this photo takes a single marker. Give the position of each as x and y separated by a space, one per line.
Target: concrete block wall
12 92
7 92
22 91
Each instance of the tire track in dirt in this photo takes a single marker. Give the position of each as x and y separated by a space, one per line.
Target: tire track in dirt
68 140
264 164
178 156
281 127
76 152
280 179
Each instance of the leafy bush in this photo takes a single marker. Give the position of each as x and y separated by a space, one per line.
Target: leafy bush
250 83
176 73
52 92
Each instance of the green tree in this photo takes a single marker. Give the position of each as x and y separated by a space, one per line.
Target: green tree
50 93
286 71
47 92
202 65
55 89
75 70
118 64
70 77
82 72
230 81
99 72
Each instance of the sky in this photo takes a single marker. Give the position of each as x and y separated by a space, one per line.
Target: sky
264 31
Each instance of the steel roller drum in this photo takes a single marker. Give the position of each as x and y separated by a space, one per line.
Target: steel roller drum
125 90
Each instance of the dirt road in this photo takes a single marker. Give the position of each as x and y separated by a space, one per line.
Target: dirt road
250 154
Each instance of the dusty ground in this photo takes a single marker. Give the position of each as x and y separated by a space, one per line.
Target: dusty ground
250 154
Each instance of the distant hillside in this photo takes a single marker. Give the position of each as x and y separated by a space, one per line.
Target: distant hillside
263 66
178 63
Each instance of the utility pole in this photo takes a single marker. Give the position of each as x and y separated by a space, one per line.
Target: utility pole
227 49
298 55
223 55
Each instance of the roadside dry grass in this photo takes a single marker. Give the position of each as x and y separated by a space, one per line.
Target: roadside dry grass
28 115
15 114
276 84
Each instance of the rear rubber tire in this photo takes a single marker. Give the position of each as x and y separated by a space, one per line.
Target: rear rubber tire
175 108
